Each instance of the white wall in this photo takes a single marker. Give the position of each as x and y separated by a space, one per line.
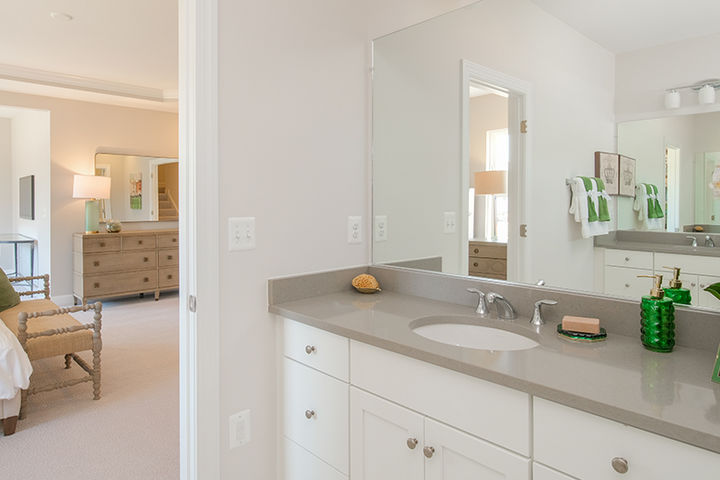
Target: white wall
643 75
78 130
6 223
293 147
417 121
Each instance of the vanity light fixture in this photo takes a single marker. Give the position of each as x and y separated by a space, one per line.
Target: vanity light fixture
705 90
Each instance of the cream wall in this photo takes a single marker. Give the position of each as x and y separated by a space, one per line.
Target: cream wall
6 225
293 146
78 130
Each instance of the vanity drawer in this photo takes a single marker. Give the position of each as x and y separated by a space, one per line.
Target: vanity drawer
624 282
317 348
629 258
168 257
699 265
138 242
105 284
168 277
119 261
101 244
168 240
489 411
316 413
584 446
299 464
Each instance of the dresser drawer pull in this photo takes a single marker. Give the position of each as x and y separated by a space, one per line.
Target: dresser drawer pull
169 257
428 452
475 264
412 443
476 250
96 285
102 244
174 240
620 465
169 277
309 414
96 264
140 242
309 349
146 279
146 259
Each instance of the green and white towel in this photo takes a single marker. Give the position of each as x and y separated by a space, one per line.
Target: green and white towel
590 205
649 206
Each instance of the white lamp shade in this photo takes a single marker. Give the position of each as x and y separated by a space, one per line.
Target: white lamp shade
91 186
706 95
491 182
672 99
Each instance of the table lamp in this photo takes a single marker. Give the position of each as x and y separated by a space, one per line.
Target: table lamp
91 188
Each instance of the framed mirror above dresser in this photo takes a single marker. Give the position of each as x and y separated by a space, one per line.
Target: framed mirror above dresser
481 115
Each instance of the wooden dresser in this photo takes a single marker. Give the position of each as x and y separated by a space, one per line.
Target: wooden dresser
125 263
488 259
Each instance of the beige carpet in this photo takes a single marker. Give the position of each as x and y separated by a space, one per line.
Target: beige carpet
132 431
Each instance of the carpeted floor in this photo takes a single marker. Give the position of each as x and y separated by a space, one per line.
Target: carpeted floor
132 431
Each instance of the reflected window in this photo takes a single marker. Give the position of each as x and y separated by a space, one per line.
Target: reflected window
496 210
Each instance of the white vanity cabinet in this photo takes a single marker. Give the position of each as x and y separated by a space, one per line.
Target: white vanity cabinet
622 268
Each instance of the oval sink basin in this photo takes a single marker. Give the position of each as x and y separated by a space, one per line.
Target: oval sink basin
474 336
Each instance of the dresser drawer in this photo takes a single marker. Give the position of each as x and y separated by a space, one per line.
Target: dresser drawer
101 244
489 251
491 266
138 242
168 277
624 282
317 348
584 446
167 258
168 240
629 258
98 285
119 261
316 413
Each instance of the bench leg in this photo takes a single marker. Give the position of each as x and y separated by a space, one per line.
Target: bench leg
68 360
9 425
23 402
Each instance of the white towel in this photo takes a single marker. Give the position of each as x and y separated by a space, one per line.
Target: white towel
579 207
640 205
15 368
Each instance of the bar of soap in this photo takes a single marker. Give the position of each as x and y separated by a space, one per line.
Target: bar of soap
581 324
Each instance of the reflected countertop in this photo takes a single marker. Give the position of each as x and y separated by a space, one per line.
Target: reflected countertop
658 241
668 394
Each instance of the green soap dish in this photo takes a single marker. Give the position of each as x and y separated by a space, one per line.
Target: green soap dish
581 336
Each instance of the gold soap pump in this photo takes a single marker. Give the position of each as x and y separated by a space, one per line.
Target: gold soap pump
657 318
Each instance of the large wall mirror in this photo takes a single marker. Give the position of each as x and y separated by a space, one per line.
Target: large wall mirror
142 189
481 116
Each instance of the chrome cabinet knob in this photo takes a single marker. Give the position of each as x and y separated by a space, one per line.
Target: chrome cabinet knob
428 452
620 465
627 285
412 443
309 414
627 259
309 349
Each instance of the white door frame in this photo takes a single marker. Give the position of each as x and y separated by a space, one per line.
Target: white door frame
519 94
199 238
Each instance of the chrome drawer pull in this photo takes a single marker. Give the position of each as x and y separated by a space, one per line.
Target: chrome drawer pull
309 414
428 451
620 465
627 285
309 349
627 259
412 443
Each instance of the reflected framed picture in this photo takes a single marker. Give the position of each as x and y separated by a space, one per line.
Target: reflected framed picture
626 182
27 197
606 169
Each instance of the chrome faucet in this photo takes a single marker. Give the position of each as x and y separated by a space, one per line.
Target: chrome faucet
505 311
482 308
709 241
694 240
537 319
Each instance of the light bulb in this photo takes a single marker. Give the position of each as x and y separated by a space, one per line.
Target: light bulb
706 94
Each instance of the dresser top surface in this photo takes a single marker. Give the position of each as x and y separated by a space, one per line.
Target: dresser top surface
126 233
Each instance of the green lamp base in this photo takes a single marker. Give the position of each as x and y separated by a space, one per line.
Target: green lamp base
92 216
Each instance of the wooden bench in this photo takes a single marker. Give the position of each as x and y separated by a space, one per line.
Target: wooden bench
46 330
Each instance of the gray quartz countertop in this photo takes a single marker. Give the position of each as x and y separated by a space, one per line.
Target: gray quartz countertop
668 394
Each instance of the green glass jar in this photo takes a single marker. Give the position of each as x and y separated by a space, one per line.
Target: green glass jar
657 330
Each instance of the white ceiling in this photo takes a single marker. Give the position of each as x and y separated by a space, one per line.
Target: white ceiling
131 42
627 25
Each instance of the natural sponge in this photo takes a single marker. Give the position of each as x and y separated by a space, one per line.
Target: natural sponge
366 283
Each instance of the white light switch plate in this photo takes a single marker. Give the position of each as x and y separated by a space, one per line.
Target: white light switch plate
241 233
381 228
239 429
354 232
450 223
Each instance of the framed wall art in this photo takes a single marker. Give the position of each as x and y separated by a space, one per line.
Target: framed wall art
606 169
626 181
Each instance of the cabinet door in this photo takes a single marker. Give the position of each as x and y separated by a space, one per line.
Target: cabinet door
386 440
299 464
541 472
454 455
705 299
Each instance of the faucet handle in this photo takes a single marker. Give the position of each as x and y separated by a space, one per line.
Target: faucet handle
537 319
694 240
482 308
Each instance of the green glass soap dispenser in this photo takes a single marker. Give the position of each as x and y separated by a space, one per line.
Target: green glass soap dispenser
657 313
675 291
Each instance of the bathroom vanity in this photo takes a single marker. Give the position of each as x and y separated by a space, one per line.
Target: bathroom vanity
365 397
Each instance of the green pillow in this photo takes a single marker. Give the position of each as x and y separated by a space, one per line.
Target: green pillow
8 296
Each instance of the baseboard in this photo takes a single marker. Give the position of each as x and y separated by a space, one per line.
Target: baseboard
63 300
